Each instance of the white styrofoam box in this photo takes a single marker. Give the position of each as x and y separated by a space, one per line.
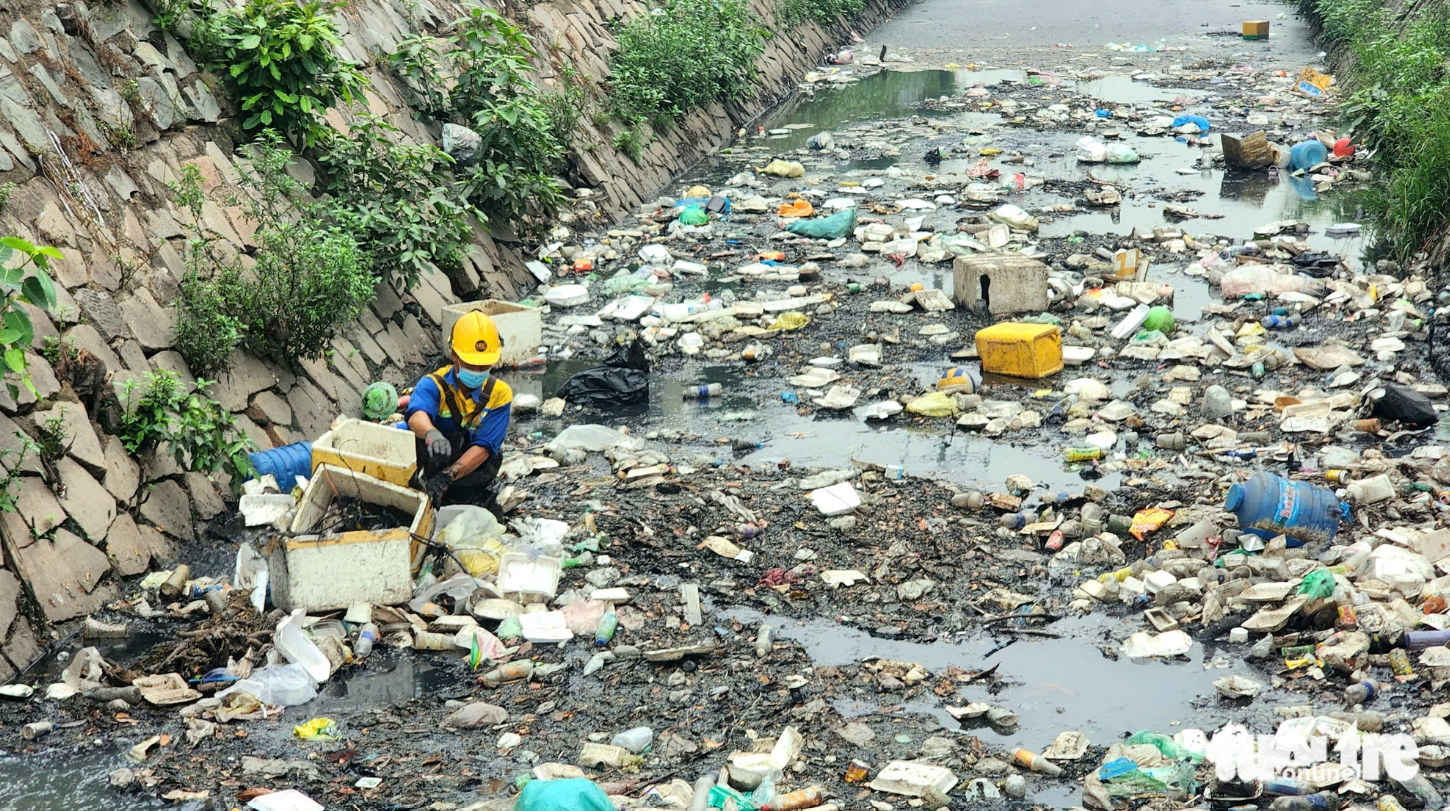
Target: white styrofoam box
545 627
520 573
838 499
912 778
520 327
1158 580
328 571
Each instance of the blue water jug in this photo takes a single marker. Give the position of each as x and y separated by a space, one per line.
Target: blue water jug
1308 155
285 463
1267 505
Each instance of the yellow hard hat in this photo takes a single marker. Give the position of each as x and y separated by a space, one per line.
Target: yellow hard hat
476 340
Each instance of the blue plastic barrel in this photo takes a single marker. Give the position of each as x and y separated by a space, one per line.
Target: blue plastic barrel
1308 154
285 463
1267 505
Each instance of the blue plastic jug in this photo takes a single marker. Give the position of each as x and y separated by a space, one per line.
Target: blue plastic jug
1267 505
286 463
1308 155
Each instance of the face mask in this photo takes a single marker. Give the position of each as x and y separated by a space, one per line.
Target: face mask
472 379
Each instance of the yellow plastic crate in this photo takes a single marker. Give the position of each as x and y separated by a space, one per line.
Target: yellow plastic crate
380 451
1020 350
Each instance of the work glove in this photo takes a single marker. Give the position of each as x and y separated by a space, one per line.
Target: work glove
440 450
436 487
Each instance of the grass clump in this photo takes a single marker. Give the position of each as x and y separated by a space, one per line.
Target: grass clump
825 13
1398 105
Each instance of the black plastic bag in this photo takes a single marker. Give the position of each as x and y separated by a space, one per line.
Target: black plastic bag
622 379
1404 404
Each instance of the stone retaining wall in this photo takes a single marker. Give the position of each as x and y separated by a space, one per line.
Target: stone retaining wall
98 111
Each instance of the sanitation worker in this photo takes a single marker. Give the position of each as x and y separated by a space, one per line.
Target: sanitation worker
460 416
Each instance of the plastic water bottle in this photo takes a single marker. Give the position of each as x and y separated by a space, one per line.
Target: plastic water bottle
703 391
607 625
1419 640
366 638
1361 693
1319 801
635 740
1280 322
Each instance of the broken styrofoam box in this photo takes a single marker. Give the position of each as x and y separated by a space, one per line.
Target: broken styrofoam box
265 508
911 778
380 451
748 769
520 328
545 627
526 575
1077 355
838 499
320 570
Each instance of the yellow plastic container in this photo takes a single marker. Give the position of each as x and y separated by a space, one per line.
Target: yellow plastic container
1020 350
380 451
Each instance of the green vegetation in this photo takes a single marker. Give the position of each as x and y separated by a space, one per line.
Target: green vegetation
199 431
525 132
398 200
24 278
683 55
309 276
630 143
826 13
280 58
10 459
1398 104
50 440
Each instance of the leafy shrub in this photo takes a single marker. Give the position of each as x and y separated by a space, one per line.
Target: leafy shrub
683 55
24 278
523 144
399 200
308 279
200 432
280 58
825 13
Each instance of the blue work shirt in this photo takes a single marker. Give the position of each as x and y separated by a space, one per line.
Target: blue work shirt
486 426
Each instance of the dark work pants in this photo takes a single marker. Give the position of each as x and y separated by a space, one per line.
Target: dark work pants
478 488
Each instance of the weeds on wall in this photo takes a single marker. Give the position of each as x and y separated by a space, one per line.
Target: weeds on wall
200 433
825 13
399 200
1397 102
307 278
24 279
682 55
280 59
525 132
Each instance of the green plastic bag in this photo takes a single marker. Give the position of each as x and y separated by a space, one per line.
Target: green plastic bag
1316 584
1161 319
573 794
694 215
1164 744
833 227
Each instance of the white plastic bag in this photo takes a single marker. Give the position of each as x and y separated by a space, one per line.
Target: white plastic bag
592 438
1121 153
277 685
1015 217
1090 150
